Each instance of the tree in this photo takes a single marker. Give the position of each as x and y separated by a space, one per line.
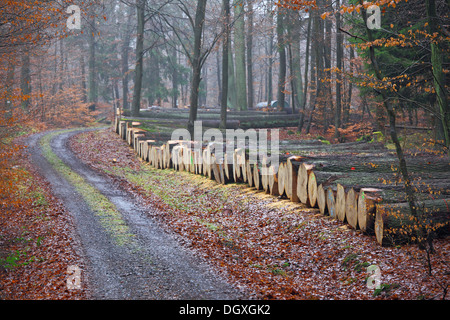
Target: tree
225 54
197 61
293 35
282 55
339 57
138 72
250 89
126 37
25 79
438 73
239 46
305 89
92 82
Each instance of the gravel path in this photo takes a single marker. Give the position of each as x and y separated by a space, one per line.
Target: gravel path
153 266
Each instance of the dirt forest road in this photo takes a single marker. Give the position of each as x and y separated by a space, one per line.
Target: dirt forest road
150 265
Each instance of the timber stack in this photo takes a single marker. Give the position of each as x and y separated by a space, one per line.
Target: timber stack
360 194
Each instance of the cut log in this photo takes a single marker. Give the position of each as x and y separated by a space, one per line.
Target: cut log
331 202
221 169
198 163
116 124
231 124
208 152
281 179
204 159
159 155
302 182
137 136
265 175
315 178
181 164
215 169
292 167
123 126
394 223
249 173
175 157
273 181
131 133
168 152
207 157
312 189
257 182
321 199
340 202
351 208
243 166
367 200
228 168
238 158
156 155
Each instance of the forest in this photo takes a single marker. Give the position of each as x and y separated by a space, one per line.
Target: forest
356 92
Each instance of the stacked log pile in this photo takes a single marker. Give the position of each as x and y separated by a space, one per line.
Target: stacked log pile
357 189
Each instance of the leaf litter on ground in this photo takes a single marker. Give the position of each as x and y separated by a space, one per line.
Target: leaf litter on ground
269 247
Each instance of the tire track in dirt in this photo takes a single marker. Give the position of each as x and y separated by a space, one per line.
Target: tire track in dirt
152 265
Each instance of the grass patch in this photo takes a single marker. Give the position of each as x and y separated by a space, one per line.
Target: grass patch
110 218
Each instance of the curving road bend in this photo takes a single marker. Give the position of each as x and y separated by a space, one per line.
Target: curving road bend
156 266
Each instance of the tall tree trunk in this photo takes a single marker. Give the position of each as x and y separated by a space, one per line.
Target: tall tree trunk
305 89
219 78
9 85
250 89
318 57
25 79
125 54
93 91
328 103
269 54
294 57
438 74
61 65
282 54
136 105
203 89
239 45
196 63
339 56
175 77
225 44
83 79
348 102
232 97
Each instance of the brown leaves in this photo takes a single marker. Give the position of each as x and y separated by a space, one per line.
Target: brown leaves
36 244
272 251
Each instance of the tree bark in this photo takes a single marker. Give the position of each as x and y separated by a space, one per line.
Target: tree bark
250 89
25 79
339 56
124 53
225 49
136 104
282 54
438 73
318 57
305 90
196 63
92 82
239 45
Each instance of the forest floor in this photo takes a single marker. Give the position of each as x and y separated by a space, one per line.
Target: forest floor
274 248
265 247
